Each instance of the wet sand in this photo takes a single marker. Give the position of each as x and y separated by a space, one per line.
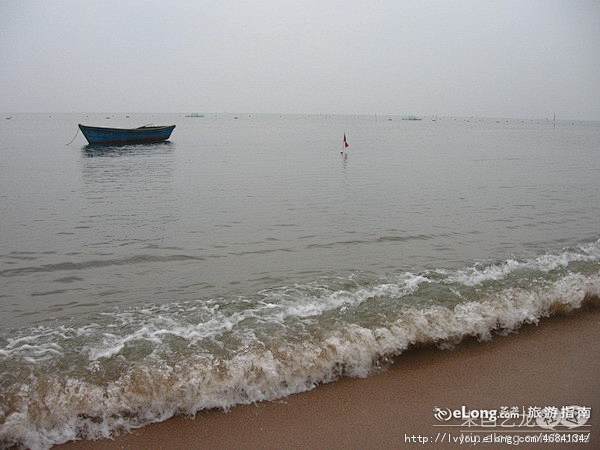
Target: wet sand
555 363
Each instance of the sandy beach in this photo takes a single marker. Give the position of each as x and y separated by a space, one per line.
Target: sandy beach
554 363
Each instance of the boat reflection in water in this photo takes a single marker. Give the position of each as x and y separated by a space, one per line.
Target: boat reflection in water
127 196
103 150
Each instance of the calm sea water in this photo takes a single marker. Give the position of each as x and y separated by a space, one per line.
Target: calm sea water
247 259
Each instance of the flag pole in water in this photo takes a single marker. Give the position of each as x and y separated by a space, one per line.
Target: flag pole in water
345 145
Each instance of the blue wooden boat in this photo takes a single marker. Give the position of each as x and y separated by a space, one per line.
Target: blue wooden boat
103 135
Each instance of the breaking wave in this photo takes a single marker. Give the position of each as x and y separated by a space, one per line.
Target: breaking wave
122 370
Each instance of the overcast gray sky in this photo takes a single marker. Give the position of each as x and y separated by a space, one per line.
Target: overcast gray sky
484 58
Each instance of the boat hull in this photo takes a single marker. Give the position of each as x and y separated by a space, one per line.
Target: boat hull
102 135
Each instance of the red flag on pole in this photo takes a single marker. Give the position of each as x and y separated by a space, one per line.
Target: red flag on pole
346 145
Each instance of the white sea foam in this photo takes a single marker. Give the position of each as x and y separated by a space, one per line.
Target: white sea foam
216 354
480 273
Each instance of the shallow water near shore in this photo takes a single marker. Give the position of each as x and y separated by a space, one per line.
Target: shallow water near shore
247 259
